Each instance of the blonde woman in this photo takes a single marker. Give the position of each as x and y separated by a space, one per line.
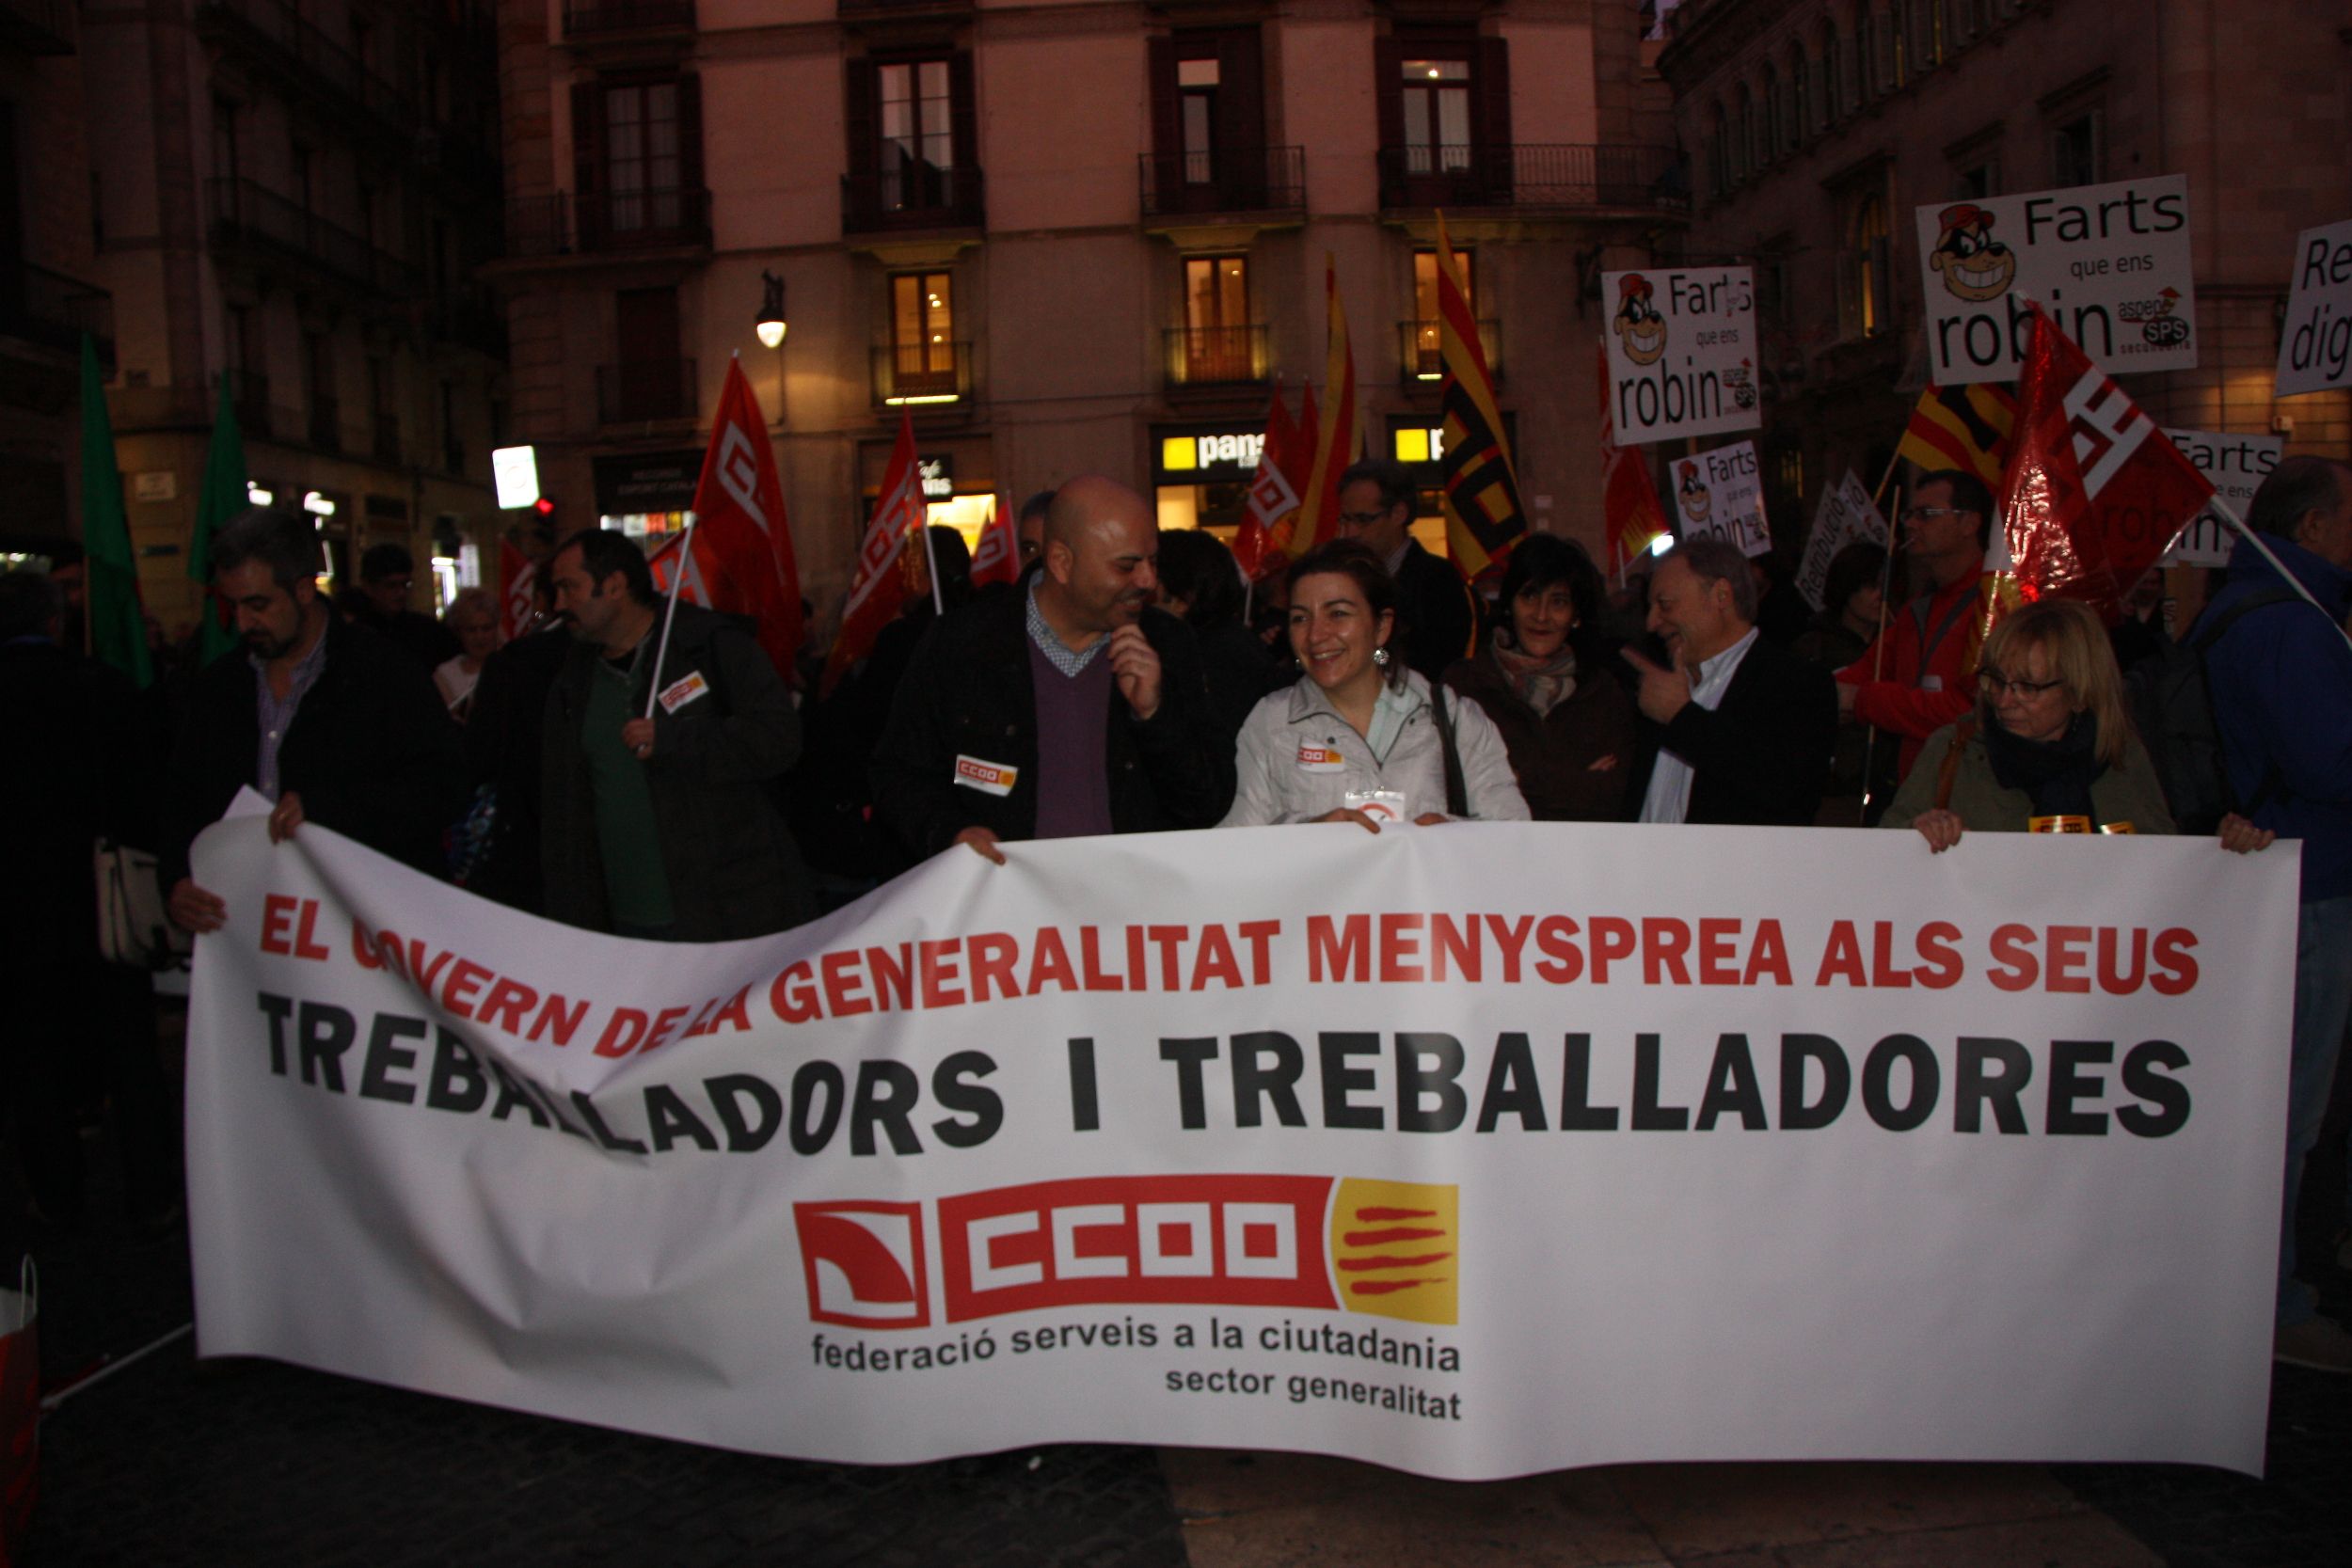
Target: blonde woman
473 617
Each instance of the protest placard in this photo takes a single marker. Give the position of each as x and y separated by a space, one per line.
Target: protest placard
2316 335
1846 515
2111 263
1722 493
1681 347
2235 465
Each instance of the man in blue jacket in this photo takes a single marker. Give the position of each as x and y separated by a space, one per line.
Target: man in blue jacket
2281 682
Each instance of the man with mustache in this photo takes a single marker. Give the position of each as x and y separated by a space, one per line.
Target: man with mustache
1068 707
333 723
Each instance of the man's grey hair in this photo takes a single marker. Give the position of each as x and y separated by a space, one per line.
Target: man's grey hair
287 542
2298 487
1715 560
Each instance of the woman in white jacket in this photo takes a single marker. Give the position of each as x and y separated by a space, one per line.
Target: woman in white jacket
1357 740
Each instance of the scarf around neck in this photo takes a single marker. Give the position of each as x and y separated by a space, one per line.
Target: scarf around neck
1542 684
2055 775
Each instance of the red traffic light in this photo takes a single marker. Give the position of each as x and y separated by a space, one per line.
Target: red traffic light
543 506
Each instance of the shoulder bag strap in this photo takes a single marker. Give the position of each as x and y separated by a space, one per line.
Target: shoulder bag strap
1963 731
1457 792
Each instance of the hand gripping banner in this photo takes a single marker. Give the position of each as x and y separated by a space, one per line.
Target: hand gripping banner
1472 1150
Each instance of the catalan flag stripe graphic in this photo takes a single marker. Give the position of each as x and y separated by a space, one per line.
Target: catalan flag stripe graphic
1960 427
1396 1250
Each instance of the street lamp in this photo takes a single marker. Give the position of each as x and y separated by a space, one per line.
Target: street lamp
770 324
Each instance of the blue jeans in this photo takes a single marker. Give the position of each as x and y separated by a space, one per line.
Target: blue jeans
2323 1003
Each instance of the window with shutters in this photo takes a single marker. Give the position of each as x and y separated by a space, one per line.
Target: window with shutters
1865 284
1445 119
637 162
1866 55
1836 95
1775 127
2077 149
649 378
1801 103
1209 152
913 143
1424 358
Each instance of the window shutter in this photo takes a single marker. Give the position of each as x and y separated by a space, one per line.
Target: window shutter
963 119
694 204
587 159
1490 118
861 139
1387 71
1167 132
1241 90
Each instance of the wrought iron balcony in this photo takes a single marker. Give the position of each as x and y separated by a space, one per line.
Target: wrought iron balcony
1251 180
1216 356
1569 175
38 306
37 26
567 223
645 389
907 193
595 18
243 214
304 55
916 374
1418 352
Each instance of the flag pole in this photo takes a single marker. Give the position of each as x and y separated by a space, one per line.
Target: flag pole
2228 515
1877 648
677 582
931 566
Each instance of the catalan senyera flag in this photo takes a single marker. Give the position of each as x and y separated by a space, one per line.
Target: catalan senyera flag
740 522
517 603
1335 428
1483 515
1273 491
2094 492
997 557
1630 512
1964 428
880 587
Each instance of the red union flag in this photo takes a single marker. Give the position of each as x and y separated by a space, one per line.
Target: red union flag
1630 512
516 606
1273 491
999 557
2092 492
672 558
880 587
740 523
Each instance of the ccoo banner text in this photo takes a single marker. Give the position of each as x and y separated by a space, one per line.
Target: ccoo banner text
1471 1151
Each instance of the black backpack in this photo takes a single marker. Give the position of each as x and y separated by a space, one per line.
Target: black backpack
2171 701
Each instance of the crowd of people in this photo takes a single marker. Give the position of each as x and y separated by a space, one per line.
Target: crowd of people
627 769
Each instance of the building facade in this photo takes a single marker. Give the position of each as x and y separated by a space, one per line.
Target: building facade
1818 126
297 196
1064 237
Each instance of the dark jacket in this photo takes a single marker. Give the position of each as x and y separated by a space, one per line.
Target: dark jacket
79 767
1434 604
969 693
505 743
1761 756
1572 763
372 752
733 868
2282 680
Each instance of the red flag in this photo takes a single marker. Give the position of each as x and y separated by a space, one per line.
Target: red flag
1631 515
1335 429
2092 492
740 523
999 557
701 567
1273 493
881 586
517 604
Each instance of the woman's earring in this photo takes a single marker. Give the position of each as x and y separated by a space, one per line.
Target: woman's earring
1380 657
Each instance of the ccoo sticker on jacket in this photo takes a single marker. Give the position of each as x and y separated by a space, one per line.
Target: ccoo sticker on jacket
678 695
989 778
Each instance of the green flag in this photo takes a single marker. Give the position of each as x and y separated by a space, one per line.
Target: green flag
110 597
223 497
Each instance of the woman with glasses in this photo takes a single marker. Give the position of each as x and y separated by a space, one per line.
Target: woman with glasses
1567 724
1360 739
2049 747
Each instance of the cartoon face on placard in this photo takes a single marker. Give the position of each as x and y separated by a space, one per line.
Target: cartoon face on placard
1697 501
1638 326
1973 265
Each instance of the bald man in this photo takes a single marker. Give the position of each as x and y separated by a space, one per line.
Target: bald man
1068 708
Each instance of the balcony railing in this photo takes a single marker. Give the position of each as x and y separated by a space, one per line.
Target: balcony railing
1534 174
1418 350
565 223
594 18
54 310
37 26
243 213
1216 356
326 422
907 193
643 389
307 56
386 437
922 373
1253 180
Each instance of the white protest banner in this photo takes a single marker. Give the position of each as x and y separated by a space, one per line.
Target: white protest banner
2316 335
1846 515
1471 1151
1681 347
1722 493
2111 263
2235 467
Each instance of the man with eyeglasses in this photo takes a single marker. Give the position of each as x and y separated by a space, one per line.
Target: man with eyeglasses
1376 506
1915 679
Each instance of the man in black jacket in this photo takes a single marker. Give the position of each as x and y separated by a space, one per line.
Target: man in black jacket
1433 606
329 721
1740 730
1067 707
661 826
